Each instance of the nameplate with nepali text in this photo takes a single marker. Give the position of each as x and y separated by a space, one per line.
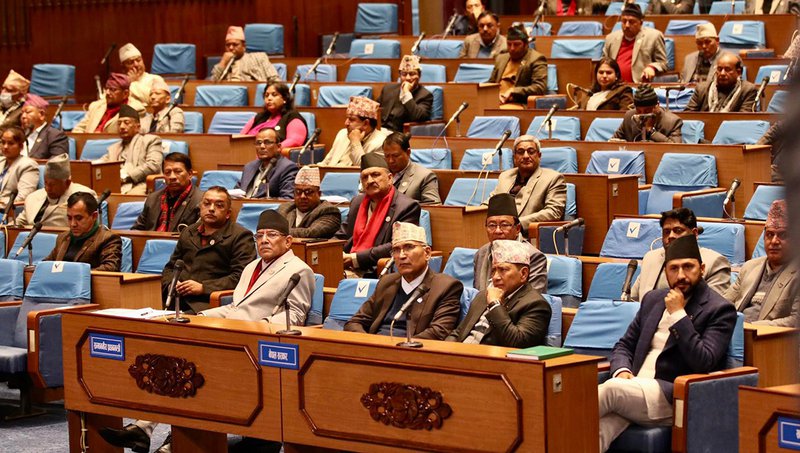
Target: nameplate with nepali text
107 346
278 355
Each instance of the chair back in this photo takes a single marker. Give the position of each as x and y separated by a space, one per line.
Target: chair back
601 129
376 18
155 256
333 95
440 48
617 163
723 8
577 48
340 184
229 122
683 27
608 280
42 245
375 48
221 96
12 285
580 28
742 34
350 295
250 212
70 118
433 158
433 73
473 159
323 73
693 131
368 73
473 73
554 327
175 146
192 122
598 325
760 202
493 126
267 38
96 148
317 302
223 178
126 215
564 128
564 274
777 104
174 59
460 265
563 159
631 238
53 80
470 191
727 239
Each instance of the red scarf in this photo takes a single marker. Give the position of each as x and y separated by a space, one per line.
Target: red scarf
365 231
111 112
560 8
167 212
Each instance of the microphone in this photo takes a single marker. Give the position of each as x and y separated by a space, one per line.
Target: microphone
569 226
626 287
733 6
450 24
309 144
9 207
176 273
415 47
313 67
103 197
294 82
59 109
457 114
386 268
332 45
181 90
34 231
502 141
99 86
284 296
225 71
667 89
416 295
108 53
547 118
732 191
539 16
760 92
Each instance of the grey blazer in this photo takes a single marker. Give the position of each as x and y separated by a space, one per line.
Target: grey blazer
543 198
321 222
690 65
22 176
473 43
420 184
649 49
482 266
717 275
781 305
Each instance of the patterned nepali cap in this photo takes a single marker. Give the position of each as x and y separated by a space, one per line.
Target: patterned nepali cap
118 81
409 63
363 107
308 176
705 31
14 78
508 251
235 32
405 232
127 52
36 101
777 217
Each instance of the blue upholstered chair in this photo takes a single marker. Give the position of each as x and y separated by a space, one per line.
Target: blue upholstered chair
126 215
229 122
96 148
41 246
350 295
53 80
250 212
564 274
174 59
221 96
155 256
601 129
617 163
762 199
340 184
493 126
470 191
461 266
224 178
372 18
441 158
266 38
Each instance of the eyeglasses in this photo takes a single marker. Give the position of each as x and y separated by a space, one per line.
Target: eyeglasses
265 142
405 248
272 235
306 192
505 226
521 152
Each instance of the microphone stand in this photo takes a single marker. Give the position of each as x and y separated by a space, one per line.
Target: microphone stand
30 254
566 242
549 132
179 318
409 343
288 330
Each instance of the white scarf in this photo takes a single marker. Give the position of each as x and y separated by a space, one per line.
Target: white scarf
714 101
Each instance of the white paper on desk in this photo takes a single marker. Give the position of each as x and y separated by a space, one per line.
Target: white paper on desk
236 193
135 313
335 199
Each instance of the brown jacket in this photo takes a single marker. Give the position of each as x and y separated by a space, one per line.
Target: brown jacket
103 250
620 98
433 318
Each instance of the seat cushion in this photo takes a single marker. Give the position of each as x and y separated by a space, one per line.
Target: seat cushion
641 438
13 360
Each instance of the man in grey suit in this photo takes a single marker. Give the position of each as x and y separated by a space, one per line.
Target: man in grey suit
410 178
521 72
766 290
43 141
648 122
487 42
700 65
640 52
674 224
727 91
308 216
539 193
502 223
407 101
178 203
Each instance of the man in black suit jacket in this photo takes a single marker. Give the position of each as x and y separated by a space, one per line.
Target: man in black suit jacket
43 141
308 216
727 92
509 313
648 122
178 203
682 330
271 175
407 101
530 76
368 228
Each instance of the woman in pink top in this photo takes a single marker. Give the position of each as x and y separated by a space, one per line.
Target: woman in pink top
279 113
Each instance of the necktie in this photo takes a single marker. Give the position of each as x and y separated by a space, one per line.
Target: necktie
154 124
254 278
40 214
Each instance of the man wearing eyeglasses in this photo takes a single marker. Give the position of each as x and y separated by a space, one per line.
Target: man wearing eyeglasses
308 216
502 223
407 101
540 194
766 290
271 175
433 315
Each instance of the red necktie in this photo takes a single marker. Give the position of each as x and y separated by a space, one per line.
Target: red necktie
254 278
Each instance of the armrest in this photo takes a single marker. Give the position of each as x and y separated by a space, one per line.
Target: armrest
677 197
645 186
150 182
216 296
381 264
44 340
533 230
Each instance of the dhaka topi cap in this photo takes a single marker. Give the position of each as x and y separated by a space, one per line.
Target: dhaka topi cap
235 32
308 176
705 31
127 52
363 107
409 63
15 79
777 217
405 232
508 251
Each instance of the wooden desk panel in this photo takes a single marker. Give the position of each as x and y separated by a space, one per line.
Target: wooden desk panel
456 226
758 412
324 258
773 350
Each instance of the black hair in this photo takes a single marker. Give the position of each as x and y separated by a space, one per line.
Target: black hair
399 138
178 158
683 215
88 200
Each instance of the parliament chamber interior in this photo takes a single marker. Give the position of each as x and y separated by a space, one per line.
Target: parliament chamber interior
399 225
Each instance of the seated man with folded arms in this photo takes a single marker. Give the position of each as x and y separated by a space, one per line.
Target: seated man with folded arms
214 251
308 216
487 42
683 329
410 178
509 313
674 224
87 241
767 288
360 135
177 203
727 91
368 227
43 140
164 118
12 97
521 72
648 122
539 193
49 204
102 115
142 82
246 67
271 175
141 155
433 315
502 223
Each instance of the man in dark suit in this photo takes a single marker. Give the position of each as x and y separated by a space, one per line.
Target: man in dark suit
433 315
407 101
509 313
271 175
487 42
43 141
368 228
521 72
178 203
698 66
410 178
679 330
727 92
308 216
648 122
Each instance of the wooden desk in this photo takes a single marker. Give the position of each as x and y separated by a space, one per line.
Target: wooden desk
759 409
534 403
324 258
100 176
773 350
457 226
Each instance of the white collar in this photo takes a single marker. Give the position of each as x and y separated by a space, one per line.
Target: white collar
412 285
